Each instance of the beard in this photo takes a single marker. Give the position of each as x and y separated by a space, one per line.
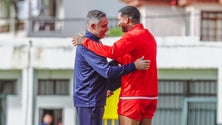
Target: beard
124 28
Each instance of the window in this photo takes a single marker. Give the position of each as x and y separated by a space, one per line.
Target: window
7 87
171 99
211 26
201 88
53 86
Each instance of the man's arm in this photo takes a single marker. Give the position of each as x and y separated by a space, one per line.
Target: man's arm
119 48
113 84
101 66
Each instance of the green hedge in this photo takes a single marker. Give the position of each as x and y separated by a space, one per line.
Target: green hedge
116 31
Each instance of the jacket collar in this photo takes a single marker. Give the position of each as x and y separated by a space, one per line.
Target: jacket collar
91 36
137 26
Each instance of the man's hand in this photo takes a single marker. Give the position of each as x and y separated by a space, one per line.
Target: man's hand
77 40
109 93
142 64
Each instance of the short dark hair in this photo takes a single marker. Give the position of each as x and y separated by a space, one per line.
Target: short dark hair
94 16
132 12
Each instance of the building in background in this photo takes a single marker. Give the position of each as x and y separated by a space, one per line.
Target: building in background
50 18
36 64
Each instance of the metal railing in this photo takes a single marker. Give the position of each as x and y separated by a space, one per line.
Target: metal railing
40 24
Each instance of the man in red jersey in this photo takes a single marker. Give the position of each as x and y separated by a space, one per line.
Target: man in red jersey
139 89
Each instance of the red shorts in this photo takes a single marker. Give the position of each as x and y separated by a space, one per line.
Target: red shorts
137 109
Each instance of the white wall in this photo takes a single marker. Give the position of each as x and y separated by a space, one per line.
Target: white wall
175 21
80 8
54 58
164 20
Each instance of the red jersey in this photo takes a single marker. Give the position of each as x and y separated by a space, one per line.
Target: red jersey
137 42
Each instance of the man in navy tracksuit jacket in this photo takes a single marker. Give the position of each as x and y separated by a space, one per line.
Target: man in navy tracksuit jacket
90 80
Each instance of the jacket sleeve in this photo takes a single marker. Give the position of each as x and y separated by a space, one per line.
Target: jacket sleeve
119 48
114 84
101 66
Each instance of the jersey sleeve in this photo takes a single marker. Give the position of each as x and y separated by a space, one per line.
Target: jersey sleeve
123 46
